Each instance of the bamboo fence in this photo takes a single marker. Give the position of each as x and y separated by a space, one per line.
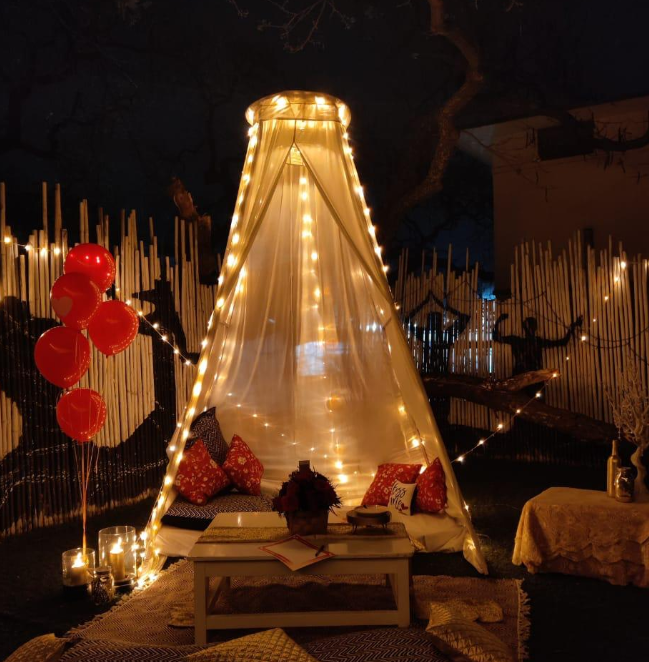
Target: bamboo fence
144 387
606 287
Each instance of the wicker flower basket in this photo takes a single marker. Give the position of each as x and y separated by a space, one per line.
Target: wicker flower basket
306 523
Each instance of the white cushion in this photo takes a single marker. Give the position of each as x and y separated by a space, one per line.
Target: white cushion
400 500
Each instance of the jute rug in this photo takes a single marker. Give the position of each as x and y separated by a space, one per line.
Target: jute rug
162 615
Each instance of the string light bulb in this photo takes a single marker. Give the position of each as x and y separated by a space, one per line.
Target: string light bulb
500 426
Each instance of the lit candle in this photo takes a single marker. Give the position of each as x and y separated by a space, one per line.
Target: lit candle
117 561
78 572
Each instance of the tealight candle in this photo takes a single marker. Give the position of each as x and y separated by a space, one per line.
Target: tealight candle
78 573
77 566
118 549
117 561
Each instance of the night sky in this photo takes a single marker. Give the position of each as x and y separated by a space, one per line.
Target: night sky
111 98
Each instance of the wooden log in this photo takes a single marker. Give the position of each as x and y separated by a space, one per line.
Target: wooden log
519 382
580 426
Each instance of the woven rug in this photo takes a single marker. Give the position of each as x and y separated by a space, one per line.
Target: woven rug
162 615
266 534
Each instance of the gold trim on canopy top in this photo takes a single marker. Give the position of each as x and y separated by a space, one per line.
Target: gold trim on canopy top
299 105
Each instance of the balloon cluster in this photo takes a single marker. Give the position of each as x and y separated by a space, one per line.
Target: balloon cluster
62 354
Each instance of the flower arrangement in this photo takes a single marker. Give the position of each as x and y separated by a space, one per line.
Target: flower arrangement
307 491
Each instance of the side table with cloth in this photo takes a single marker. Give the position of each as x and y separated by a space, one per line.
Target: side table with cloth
587 533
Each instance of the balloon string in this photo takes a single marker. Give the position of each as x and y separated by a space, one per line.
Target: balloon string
77 465
83 497
89 468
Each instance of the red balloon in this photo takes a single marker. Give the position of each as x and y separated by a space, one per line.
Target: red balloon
62 355
113 327
81 413
75 299
93 261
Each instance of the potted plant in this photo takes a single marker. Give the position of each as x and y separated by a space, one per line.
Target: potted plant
305 499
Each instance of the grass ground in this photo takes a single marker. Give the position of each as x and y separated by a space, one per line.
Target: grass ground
572 618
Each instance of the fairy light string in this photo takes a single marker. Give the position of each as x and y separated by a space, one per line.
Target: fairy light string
589 337
164 337
235 254
28 247
154 326
500 428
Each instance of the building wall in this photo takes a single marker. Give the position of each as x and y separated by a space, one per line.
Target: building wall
607 193
571 194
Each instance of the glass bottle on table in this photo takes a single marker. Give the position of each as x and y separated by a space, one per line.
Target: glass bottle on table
612 465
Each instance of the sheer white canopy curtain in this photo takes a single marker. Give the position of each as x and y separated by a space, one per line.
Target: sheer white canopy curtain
305 357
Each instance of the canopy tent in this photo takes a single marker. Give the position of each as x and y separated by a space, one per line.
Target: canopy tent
305 356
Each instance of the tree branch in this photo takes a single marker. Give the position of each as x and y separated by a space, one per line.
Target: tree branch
447 132
582 427
602 142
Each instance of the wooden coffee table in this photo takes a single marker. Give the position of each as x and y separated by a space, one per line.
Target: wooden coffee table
377 556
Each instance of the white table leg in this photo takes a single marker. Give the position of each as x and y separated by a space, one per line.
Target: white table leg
201 585
402 591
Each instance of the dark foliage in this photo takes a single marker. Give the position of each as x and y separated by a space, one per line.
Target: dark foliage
306 490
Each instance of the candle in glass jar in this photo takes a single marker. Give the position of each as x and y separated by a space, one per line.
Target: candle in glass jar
78 572
117 561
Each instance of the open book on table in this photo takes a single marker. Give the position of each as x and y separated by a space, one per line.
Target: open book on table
297 552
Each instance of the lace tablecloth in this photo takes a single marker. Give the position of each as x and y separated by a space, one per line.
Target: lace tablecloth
584 532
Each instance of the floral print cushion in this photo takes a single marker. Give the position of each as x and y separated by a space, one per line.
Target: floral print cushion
243 468
378 493
431 489
199 477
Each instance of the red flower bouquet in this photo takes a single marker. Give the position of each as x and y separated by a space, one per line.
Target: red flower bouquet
305 499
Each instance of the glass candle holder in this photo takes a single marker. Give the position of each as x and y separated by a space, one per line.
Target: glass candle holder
624 485
118 550
77 566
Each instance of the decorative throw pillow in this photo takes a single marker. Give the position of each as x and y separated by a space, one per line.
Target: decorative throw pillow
243 468
206 427
268 646
401 497
485 611
378 493
431 489
199 477
456 635
45 648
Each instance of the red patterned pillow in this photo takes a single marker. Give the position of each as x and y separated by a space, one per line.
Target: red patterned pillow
379 491
199 477
243 468
431 489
